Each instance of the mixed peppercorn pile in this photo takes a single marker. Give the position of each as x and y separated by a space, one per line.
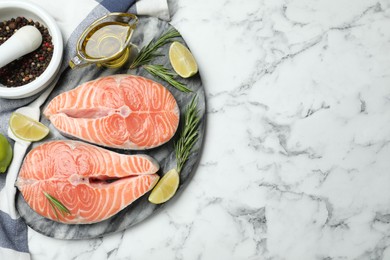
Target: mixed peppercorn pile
32 65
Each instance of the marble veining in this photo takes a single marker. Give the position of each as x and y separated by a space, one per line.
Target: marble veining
296 157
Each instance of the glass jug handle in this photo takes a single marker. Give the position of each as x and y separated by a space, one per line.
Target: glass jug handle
77 62
133 22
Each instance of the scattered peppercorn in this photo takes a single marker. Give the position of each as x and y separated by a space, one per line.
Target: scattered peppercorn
30 66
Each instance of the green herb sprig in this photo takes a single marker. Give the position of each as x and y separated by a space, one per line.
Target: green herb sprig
188 136
56 205
149 52
163 73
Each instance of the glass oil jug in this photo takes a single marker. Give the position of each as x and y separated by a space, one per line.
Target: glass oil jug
106 42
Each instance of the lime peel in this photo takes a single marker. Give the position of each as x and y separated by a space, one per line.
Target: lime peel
5 153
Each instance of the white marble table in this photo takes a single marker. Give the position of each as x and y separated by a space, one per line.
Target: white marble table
296 162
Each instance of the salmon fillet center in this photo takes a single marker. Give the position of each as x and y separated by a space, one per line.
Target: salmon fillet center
94 113
97 181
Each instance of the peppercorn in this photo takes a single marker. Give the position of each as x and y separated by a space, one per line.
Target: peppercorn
12 25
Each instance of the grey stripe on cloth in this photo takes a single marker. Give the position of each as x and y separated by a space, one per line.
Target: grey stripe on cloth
14 232
133 9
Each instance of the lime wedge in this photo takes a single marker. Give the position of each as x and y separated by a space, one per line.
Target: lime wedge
165 188
26 128
5 153
182 60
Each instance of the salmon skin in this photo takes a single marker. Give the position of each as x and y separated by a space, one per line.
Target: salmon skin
91 182
119 111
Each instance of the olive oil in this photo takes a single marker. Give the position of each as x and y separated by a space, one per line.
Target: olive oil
106 40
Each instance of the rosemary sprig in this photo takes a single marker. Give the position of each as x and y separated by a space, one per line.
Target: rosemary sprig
163 73
149 52
56 205
189 134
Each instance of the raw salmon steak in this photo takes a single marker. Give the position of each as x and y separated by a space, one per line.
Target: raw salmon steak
91 182
120 111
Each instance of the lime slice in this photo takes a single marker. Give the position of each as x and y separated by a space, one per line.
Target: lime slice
165 188
5 153
182 60
27 128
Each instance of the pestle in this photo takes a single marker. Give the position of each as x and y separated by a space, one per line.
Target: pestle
23 41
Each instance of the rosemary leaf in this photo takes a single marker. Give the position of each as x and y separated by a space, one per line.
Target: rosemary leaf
54 209
189 134
163 73
56 205
149 52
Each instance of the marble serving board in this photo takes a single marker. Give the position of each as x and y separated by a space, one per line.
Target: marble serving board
141 209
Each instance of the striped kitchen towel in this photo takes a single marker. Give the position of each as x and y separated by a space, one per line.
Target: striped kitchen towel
72 16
